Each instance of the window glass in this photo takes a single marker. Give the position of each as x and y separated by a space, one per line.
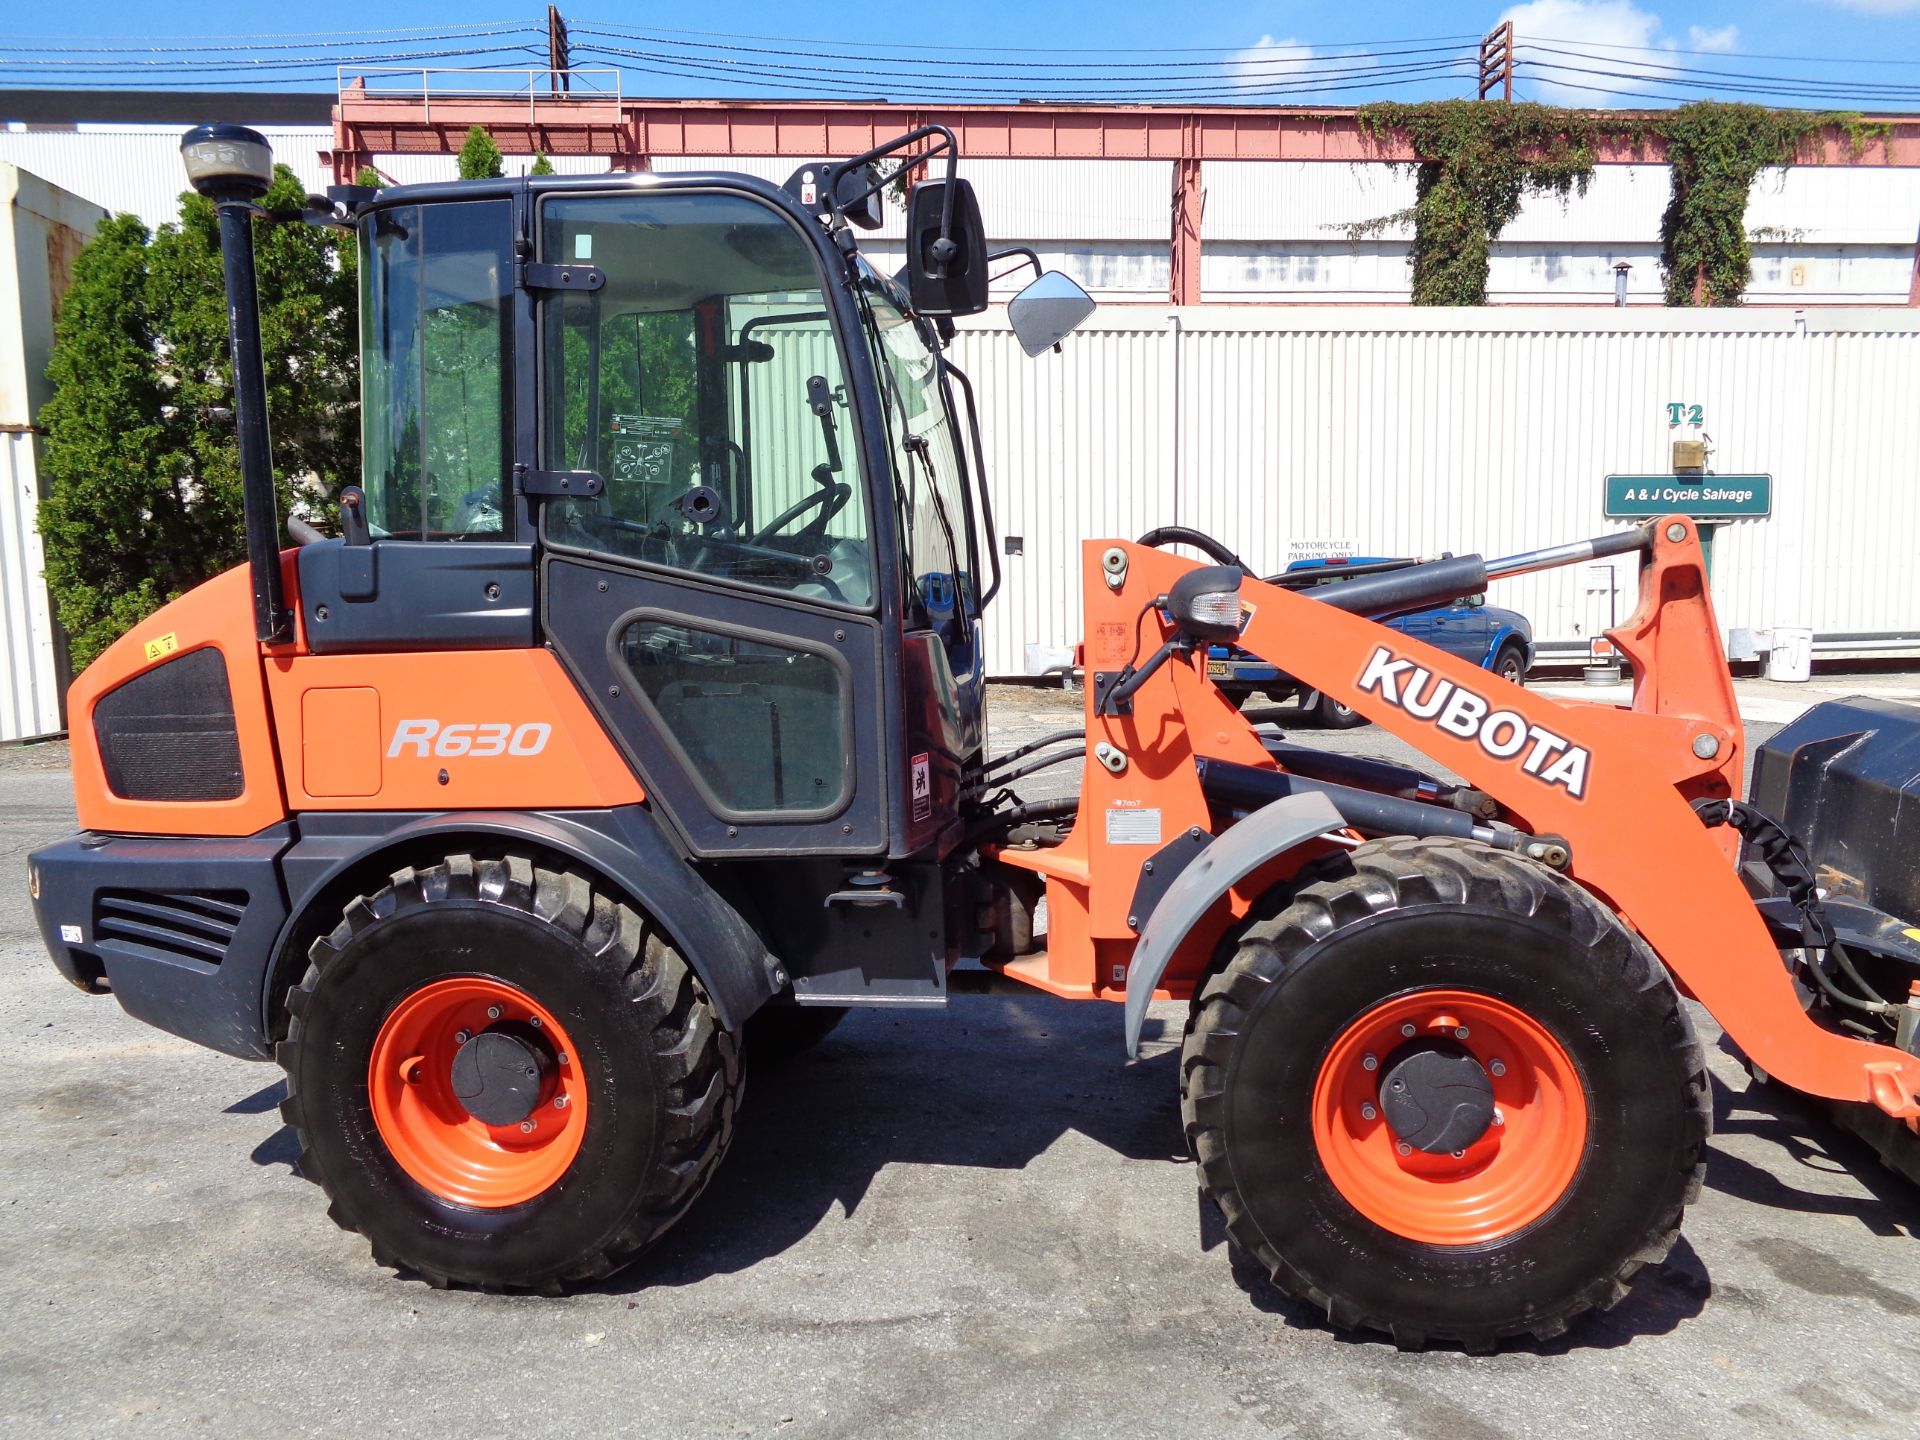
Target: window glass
762 727
929 480
436 371
703 383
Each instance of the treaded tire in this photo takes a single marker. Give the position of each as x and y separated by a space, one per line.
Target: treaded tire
1332 715
775 1033
663 1080
1511 664
1400 916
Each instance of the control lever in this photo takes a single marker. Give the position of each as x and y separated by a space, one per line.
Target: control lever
353 516
821 399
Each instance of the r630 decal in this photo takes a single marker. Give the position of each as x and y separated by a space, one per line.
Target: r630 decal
1455 709
479 740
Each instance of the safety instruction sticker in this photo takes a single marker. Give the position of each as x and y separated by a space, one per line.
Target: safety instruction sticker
163 645
1132 826
922 786
642 447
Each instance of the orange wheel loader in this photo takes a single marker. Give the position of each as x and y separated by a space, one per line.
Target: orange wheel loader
632 727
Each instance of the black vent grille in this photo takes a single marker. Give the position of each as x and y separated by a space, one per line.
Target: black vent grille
191 924
169 734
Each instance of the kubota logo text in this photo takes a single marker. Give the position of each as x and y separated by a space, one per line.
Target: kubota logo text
479 740
1503 734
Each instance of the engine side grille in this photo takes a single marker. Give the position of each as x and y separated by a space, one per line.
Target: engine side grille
191 924
169 734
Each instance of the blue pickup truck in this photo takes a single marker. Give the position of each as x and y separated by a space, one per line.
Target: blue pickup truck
1491 637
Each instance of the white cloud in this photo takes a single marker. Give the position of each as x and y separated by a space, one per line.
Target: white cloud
1270 62
1727 37
1598 23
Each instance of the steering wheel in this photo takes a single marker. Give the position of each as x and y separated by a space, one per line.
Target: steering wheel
831 500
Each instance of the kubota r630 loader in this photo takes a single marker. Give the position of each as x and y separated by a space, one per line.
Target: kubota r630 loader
634 719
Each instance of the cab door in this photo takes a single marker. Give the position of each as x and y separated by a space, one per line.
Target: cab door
719 597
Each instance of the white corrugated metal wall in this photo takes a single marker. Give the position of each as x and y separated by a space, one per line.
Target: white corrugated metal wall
1416 431
41 231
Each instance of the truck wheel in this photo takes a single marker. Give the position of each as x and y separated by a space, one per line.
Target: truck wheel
776 1033
1335 716
1511 664
1447 1095
504 1077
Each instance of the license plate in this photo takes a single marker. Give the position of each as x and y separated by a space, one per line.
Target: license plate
1220 668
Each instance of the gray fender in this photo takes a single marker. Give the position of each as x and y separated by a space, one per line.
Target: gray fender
626 845
1269 831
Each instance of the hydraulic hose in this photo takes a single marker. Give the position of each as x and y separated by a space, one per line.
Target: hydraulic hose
1199 539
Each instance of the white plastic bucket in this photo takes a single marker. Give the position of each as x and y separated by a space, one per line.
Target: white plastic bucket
1791 657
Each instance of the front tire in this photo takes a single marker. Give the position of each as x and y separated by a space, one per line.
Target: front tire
1566 1103
504 1077
1511 664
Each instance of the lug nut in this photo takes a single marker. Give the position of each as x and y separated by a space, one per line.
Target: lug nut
1372 1062
460 1037
526 1127
493 1012
1461 1033
1498 1068
534 1021
1459 1154
1367 1112
1407 1029
559 1102
1404 1148
1498 1118
562 1059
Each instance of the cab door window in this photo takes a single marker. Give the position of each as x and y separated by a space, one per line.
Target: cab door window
704 383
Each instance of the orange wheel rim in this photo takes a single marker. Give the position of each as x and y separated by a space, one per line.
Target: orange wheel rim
410 1084
1511 1176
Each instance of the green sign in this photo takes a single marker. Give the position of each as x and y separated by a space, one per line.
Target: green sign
1704 497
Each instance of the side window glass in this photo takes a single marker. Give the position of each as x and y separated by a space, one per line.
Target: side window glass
436 371
763 727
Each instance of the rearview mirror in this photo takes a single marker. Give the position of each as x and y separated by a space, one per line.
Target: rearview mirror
1047 311
946 273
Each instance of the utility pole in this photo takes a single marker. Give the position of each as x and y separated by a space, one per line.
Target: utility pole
559 71
1496 61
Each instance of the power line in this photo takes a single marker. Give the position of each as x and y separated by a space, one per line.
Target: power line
867 45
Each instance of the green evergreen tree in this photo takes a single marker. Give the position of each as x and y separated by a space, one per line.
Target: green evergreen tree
145 499
480 157
541 164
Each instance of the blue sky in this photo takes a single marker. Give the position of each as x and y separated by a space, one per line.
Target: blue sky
1236 50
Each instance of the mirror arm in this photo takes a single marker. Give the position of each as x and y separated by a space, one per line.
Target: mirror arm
1020 252
980 479
946 144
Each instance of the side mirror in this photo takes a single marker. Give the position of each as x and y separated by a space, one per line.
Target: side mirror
1475 601
1047 311
946 249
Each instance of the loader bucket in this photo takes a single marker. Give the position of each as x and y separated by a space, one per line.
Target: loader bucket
1845 778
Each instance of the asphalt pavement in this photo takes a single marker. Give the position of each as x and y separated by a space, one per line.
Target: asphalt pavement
980 1223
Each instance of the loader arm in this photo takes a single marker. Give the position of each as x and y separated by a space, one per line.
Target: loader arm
1614 781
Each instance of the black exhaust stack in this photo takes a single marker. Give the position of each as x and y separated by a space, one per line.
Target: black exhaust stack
233 167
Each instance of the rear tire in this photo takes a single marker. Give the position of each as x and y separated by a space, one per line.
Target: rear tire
1601 1109
1335 716
638 1084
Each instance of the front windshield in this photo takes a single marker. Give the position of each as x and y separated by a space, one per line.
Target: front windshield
703 383
929 479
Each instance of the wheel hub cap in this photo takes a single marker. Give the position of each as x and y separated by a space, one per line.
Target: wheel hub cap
498 1075
1437 1097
